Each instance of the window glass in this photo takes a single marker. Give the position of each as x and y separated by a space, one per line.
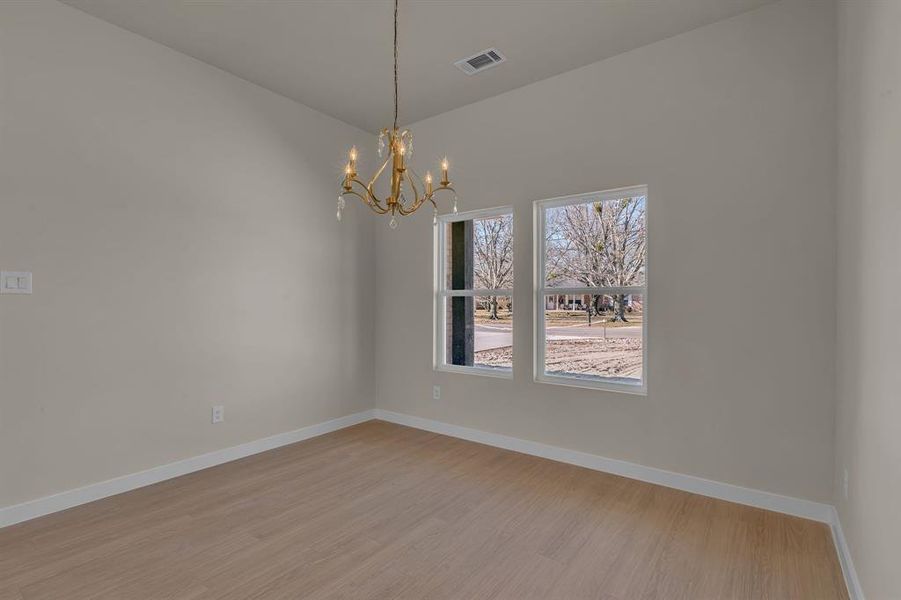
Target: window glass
489 342
483 249
596 243
594 336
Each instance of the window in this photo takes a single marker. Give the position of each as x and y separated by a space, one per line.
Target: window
474 292
591 296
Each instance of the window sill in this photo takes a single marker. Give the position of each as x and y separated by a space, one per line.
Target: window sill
594 384
483 371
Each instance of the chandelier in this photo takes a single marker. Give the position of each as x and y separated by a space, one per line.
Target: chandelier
404 180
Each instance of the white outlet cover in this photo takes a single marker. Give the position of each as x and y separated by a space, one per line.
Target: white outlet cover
436 392
15 282
218 414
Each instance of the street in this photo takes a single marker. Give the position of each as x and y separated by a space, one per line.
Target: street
488 337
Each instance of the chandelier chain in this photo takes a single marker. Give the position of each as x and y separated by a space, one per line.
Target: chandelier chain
395 64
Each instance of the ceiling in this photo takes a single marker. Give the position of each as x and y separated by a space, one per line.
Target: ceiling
336 55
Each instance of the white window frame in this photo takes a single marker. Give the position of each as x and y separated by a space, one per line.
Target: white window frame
541 290
441 293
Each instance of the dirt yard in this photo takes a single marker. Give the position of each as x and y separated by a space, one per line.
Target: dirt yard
616 357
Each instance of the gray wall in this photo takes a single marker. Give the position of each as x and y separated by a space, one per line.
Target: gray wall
180 226
869 284
732 126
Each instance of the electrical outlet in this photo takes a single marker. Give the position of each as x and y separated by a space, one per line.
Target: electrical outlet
436 392
845 483
218 414
15 282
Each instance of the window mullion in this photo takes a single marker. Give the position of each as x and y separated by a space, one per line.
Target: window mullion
477 292
596 291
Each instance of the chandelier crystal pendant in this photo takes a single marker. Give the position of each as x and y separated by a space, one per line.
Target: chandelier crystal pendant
399 146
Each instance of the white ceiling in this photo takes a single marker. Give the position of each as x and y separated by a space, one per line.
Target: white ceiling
336 55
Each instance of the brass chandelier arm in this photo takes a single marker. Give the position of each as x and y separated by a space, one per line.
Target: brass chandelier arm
427 198
372 201
369 199
443 187
378 174
413 174
376 208
404 211
417 199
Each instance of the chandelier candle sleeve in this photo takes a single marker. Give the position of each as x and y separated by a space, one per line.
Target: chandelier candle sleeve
408 191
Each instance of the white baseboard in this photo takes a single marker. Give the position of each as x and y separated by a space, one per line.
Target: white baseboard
689 483
855 591
49 504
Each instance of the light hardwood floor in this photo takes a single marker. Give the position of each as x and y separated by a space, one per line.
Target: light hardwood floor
380 511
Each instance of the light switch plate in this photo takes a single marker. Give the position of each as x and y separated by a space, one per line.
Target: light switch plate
15 282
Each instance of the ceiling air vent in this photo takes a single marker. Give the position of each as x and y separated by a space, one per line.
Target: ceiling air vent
481 61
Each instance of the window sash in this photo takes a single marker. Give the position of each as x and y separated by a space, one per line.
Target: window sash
441 248
440 350
575 379
541 289
442 293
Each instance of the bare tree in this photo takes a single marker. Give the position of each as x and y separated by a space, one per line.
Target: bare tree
598 244
493 249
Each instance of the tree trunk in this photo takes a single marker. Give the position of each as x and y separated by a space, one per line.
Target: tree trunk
619 306
492 307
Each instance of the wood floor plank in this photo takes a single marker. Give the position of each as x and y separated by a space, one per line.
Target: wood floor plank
384 511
